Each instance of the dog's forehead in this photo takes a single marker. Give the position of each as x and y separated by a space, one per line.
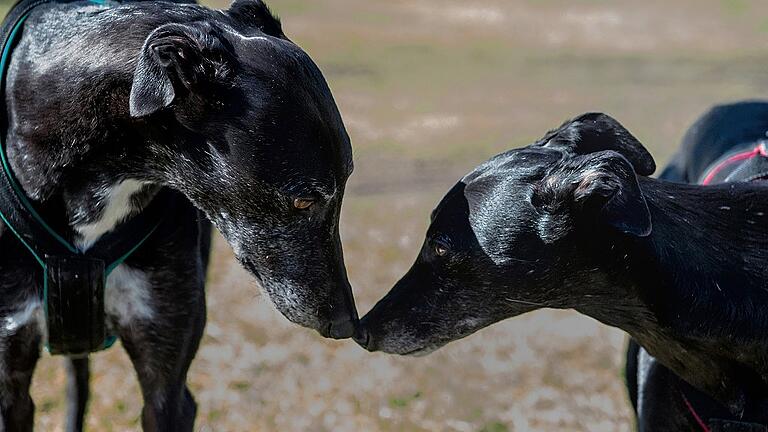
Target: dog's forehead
278 62
288 119
452 202
286 90
517 165
484 217
501 172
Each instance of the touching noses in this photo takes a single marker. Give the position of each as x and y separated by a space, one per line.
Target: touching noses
344 320
363 338
342 328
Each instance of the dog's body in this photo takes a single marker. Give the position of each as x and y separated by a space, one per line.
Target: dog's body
573 221
110 104
661 400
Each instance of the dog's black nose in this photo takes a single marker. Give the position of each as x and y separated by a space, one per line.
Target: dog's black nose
342 328
363 338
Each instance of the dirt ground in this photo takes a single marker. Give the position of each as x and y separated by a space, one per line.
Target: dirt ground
428 89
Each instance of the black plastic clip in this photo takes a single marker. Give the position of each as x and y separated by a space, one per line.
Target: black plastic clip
74 305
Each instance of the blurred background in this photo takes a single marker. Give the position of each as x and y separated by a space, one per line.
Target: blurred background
428 89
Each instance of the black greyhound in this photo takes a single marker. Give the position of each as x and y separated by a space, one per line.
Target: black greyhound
573 221
111 106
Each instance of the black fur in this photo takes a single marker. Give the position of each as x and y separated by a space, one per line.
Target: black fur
219 106
714 134
569 222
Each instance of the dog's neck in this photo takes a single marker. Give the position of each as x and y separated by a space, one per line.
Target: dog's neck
84 212
82 185
692 291
85 164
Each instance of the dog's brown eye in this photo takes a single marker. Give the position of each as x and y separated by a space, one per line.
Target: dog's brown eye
441 250
303 203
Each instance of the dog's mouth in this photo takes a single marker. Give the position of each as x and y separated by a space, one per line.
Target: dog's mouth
366 340
420 352
251 267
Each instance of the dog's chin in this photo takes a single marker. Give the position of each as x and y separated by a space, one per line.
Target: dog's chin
410 351
421 348
297 314
289 302
250 267
421 352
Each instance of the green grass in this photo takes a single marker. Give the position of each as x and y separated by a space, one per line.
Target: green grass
495 427
404 401
736 6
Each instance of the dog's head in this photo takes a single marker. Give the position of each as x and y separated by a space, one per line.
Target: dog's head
501 242
243 123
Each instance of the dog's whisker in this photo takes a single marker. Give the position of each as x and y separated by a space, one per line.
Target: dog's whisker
530 303
522 260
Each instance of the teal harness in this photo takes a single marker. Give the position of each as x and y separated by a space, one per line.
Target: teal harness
73 280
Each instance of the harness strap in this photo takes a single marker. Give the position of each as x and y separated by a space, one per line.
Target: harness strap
694 414
758 151
52 251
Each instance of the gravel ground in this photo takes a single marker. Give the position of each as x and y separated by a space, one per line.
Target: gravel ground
256 371
428 89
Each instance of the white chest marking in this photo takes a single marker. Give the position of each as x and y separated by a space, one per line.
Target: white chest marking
117 207
127 296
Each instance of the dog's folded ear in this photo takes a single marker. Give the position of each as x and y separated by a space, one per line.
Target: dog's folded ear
599 187
177 59
606 186
594 132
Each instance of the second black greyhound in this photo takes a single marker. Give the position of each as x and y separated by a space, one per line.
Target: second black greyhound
573 221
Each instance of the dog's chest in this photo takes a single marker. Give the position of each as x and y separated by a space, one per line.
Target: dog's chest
115 204
127 295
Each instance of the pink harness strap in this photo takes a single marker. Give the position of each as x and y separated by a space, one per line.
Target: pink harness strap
695 415
755 152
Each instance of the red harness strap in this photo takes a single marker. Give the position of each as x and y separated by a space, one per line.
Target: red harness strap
695 415
738 157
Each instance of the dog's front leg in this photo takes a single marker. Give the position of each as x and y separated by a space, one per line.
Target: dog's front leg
78 392
19 352
161 350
